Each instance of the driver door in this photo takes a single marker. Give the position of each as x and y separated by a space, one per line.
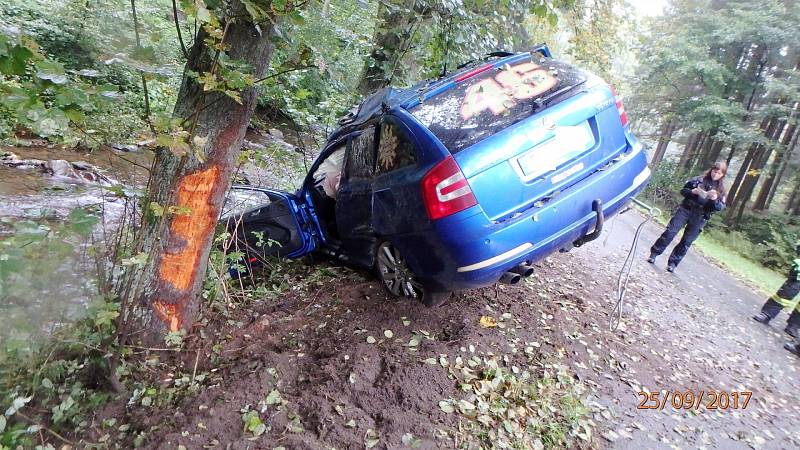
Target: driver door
354 200
266 223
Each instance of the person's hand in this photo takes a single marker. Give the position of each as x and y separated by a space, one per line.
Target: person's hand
697 191
712 195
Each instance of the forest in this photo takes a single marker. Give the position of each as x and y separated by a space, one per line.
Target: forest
157 106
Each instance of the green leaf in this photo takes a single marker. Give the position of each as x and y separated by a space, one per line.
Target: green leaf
137 260
16 60
81 222
156 209
446 406
296 18
51 71
274 397
257 13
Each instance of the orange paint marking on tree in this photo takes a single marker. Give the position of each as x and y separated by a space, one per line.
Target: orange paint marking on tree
168 314
178 267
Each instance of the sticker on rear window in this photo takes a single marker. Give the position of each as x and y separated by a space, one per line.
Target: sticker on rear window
499 94
491 100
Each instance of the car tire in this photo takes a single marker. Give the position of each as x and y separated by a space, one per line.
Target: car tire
400 280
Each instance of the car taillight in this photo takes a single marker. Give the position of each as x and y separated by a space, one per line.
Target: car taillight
445 191
623 116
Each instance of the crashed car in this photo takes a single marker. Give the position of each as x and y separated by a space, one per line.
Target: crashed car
460 182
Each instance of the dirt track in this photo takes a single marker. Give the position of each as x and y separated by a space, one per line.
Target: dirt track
691 330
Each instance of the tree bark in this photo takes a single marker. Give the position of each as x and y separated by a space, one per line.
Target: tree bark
760 159
686 157
761 201
786 159
391 39
162 295
667 130
699 160
793 205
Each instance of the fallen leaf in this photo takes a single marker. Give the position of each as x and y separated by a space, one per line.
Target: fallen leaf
488 322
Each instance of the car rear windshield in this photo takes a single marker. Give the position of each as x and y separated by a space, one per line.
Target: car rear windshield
495 99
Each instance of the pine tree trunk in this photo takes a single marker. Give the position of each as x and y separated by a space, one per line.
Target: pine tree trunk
699 161
729 158
743 169
162 295
761 201
667 130
782 171
688 151
793 205
760 159
713 156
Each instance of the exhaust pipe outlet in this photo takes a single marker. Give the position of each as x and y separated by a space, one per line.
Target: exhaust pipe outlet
523 269
510 278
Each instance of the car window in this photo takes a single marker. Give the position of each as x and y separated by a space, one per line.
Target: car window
495 99
241 200
396 148
361 155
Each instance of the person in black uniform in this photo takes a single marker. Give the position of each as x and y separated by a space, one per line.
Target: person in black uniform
784 298
702 196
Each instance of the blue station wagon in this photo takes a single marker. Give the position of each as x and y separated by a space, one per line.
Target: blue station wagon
460 182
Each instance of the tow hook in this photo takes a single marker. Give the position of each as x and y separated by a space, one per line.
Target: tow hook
597 207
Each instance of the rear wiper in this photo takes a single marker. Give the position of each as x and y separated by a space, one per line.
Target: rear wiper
544 101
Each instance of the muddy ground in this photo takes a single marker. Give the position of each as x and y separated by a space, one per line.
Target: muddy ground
352 366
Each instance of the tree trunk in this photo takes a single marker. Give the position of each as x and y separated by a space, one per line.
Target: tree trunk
713 156
667 130
162 295
786 159
760 159
729 158
688 150
744 168
793 205
391 39
702 155
761 201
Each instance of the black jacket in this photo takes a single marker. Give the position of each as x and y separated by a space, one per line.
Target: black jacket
703 206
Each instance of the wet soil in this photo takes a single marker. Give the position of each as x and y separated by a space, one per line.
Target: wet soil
685 331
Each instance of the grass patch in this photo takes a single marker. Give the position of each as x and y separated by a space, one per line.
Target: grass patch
765 280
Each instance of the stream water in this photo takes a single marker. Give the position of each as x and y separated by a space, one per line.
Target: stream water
54 286
57 288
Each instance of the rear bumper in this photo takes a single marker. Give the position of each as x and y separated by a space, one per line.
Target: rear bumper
469 252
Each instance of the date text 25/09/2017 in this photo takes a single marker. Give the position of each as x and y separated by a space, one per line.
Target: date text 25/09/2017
689 399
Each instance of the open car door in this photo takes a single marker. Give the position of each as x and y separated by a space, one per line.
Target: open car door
264 223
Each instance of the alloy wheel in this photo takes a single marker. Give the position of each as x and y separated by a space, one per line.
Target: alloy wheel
395 274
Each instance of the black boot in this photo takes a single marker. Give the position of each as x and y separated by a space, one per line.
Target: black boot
652 258
792 331
762 318
793 347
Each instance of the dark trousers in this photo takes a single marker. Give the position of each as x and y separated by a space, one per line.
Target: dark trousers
694 223
783 298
